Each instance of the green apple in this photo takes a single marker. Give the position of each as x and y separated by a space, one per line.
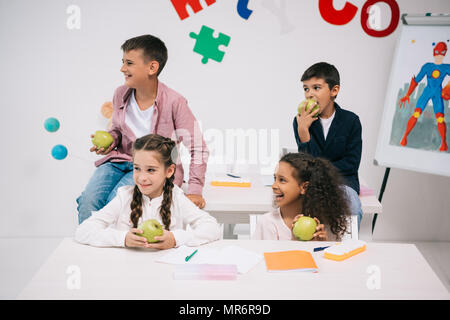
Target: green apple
151 228
309 107
304 228
102 139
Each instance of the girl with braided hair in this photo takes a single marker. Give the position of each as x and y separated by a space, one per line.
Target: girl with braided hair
154 196
305 185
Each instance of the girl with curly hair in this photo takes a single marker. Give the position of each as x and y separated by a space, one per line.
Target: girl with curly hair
304 185
154 196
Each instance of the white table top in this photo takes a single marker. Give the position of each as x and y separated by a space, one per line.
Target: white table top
120 273
258 198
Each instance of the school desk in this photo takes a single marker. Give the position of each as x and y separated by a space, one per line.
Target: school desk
235 205
382 271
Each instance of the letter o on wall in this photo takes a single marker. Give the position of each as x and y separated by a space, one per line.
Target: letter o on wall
395 17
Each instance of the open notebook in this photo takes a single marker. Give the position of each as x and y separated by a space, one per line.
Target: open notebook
292 260
243 259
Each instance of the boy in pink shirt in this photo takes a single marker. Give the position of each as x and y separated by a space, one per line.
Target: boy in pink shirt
142 106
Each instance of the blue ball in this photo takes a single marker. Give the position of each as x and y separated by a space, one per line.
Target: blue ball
59 152
51 124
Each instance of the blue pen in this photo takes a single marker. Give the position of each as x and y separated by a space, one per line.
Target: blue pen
190 256
320 248
233 176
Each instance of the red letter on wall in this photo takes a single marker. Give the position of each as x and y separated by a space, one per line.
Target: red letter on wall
180 6
337 17
395 16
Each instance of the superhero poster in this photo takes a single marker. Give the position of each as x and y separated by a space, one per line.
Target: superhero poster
422 114
415 131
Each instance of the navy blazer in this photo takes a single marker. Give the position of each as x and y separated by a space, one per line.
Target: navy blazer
342 147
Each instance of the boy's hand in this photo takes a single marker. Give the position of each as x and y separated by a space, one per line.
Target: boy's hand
101 151
166 241
197 200
133 240
304 121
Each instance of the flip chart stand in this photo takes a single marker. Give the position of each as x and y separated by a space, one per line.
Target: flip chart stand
383 186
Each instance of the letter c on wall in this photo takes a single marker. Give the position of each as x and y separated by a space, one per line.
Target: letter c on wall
337 17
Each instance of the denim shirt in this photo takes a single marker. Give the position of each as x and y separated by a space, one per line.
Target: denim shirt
172 118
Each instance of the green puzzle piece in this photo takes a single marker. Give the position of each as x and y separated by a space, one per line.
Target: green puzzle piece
208 46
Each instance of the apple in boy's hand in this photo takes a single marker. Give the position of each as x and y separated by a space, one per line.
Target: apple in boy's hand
304 228
310 106
102 139
151 228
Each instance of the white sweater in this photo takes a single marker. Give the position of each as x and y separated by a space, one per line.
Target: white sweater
109 226
271 226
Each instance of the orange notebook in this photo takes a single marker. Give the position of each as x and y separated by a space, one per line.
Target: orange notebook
292 260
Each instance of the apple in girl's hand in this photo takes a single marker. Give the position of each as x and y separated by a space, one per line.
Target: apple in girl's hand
304 228
309 106
102 139
151 228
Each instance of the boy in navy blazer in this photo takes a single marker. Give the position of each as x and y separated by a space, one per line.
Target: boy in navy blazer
330 132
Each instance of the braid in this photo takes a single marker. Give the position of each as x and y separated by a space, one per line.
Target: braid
136 206
168 186
167 202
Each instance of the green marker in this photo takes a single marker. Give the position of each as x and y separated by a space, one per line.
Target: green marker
190 256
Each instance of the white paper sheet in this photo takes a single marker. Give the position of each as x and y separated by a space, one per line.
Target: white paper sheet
243 259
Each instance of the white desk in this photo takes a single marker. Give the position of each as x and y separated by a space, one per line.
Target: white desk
119 273
234 205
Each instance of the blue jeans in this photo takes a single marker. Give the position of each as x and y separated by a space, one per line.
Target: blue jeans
354 203
102 187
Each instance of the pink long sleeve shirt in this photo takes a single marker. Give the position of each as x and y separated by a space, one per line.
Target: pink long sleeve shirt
171 118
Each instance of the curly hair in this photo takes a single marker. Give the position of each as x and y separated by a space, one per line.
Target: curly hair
324 197
167 151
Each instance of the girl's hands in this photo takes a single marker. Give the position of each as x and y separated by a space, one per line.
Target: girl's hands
101 151
320 234
133 240
166 241
295 220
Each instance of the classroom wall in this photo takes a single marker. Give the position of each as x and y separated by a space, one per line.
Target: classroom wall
62 58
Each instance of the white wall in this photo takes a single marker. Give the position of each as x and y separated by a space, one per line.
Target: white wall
49 70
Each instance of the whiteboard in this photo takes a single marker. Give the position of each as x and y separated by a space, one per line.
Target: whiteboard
414 48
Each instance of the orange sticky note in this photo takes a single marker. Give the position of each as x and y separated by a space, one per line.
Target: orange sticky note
231 184
292 260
